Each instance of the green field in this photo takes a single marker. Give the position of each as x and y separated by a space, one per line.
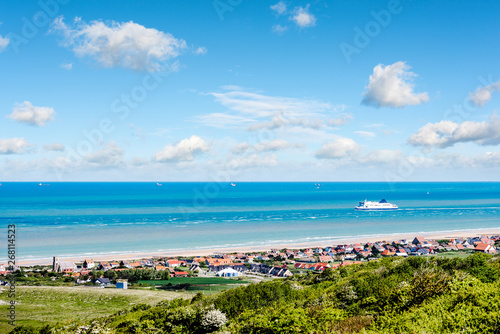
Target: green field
453 254
206 285
37 305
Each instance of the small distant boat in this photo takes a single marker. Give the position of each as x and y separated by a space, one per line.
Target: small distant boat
158 184
382 205
233 184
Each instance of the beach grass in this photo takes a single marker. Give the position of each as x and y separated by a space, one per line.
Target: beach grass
37 305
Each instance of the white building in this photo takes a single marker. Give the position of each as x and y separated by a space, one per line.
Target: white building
228 272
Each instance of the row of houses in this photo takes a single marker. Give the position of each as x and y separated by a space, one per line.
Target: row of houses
318 258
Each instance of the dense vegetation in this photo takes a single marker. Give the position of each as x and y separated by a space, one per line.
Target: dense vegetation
393 295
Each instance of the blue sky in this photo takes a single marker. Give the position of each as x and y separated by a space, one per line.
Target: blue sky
238 90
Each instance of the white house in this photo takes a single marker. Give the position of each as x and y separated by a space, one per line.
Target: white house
228 272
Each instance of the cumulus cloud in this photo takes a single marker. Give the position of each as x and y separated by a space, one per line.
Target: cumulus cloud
126 44
339 148
303 18
27 113
14 146
448 133
185 150
279 8
109 156
482 95
4 42
391 86
57 147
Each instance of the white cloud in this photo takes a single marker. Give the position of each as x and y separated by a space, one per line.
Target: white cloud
14 146
279 29
261 105
110 156
482 95
280 121
365 134
281 110
269 146
58 147
201 50
339 148
67 66
279 8
340 120
126 44
4 42
382 157
447 133
27 113
240 148
303 18
185 150
391 86
221 120
274 145
252 160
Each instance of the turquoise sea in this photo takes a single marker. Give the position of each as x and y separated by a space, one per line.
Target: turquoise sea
92 219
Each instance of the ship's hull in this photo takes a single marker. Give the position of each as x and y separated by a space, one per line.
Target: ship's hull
375 209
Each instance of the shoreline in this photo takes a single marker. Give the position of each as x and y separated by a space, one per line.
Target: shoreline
266 247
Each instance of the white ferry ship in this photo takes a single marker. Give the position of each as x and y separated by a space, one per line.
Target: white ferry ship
382 205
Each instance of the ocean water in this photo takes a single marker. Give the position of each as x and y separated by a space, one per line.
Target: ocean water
92 219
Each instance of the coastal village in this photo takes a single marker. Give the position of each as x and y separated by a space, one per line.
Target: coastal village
271 263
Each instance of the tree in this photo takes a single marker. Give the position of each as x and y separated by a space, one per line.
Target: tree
111 274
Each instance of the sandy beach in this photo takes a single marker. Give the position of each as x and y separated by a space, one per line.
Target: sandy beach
262 248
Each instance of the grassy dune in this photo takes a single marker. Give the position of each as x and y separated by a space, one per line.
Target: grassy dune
37 305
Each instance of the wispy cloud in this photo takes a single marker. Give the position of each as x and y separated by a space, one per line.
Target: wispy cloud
57 147
262 112
221 120
365 134
391 86
279 29
264 146
67 66
4 42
